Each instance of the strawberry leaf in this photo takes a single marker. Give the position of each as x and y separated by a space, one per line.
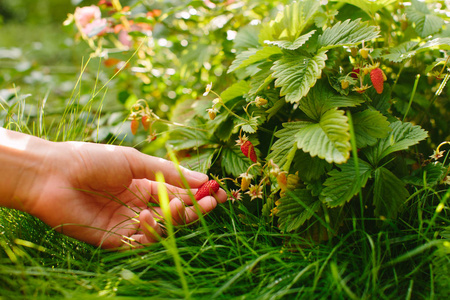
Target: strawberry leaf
389 193
426 22
253 56
402 136
321 98
328 139
347 33
285 143
342 185
292 45
201 162
296 73
370 125
289 23
235 162
296 208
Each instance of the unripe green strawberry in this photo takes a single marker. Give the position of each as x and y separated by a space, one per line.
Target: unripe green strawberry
134 126
377 78
208 188
249 150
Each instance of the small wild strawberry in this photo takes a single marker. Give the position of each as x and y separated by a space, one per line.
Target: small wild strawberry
344 84
377 78
134 126
247 148
208 188
145 122
364 52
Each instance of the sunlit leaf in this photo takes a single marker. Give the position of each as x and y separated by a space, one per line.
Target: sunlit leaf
300 41
321 98
369 6
251 56
426 22
296 73
329 139
347 33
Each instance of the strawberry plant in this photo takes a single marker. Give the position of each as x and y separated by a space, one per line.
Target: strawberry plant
318 109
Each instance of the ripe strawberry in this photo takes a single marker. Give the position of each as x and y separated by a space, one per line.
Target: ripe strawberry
134 126
208 188
377 78
145 122
249 150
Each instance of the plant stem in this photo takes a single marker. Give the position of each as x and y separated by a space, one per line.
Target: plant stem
412 96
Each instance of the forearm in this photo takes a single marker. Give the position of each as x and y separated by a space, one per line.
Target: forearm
21 159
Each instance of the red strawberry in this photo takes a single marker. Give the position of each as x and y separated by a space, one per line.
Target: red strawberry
134 126
377 78
208 188
145 121
249 150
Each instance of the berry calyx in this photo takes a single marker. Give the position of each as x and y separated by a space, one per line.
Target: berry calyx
207 189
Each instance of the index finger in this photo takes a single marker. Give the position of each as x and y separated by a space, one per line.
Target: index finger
146 166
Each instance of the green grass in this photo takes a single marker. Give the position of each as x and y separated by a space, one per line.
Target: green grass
233 258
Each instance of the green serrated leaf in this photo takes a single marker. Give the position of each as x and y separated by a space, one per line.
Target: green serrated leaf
238 89
289 23
342 185
430 175
296 73
321 98
369 125
240 58
329 139
437 43
253 58
251 126
347 33
281 148
201 162
426 22
295 208
389 193
310 168
262 78
402 136
246 37
401 52
300 41
275 108
235 162
369 6
186 138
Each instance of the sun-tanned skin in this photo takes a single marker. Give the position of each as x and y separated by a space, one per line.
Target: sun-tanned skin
99 194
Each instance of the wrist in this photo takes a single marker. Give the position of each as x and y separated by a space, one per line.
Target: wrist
22 159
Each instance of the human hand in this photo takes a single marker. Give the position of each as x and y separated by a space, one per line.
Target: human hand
102 194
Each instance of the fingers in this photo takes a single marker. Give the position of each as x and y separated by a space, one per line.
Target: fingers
148 190
151 230
146 166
